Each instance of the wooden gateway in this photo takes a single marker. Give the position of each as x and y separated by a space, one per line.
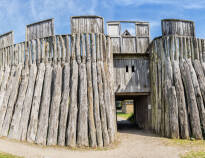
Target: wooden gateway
61 89
131 66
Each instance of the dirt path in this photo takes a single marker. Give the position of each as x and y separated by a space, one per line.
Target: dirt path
134 144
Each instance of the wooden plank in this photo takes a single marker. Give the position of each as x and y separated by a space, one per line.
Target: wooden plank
11 102
128 45
5 91
7 39
15 122
39 30
91 123
72 123
191 101
101 95
96 94
197 90
65 104
82 133
41 136
55 106
183 116
36 83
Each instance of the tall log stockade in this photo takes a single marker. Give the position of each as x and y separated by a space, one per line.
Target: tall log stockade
58 91
178 86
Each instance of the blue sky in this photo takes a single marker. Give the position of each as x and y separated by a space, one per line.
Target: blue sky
16 14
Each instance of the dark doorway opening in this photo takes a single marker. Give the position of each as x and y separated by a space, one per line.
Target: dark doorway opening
133 112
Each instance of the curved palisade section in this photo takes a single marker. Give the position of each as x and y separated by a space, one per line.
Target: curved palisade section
177 86
178 27
57 91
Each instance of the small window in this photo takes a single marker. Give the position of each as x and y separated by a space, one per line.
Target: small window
133 68
126 68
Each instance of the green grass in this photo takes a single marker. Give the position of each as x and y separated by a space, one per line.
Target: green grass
197 147
126 116
188 142
199 154
4 155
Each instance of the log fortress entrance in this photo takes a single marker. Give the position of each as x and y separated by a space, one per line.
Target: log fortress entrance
130 40
61 89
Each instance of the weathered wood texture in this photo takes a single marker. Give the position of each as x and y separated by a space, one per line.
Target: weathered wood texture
6 39
56 91
131 75
181 84
129 44
87 24
178 27
40 29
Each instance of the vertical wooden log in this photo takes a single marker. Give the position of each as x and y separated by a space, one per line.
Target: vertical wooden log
196 50
200 50
167 87
14 127
183 117
1 77
29 95
184 48
96 95
109 53
173 108
68 48
38 54
198 95
107 91
176 44
159 78
36 83
82 134
180 48
200 76
71 131
101 94
154 85
188 48
22 53
41 136
191 101
92 130
54 50
58 50
65 102
162 88
5 92
55 105
203 50
63 50
11 102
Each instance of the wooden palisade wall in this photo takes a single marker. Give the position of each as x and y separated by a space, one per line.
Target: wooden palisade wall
57 90
177 83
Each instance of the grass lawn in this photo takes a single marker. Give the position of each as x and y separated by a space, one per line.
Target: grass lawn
126 116
4 155
199 154
199 146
